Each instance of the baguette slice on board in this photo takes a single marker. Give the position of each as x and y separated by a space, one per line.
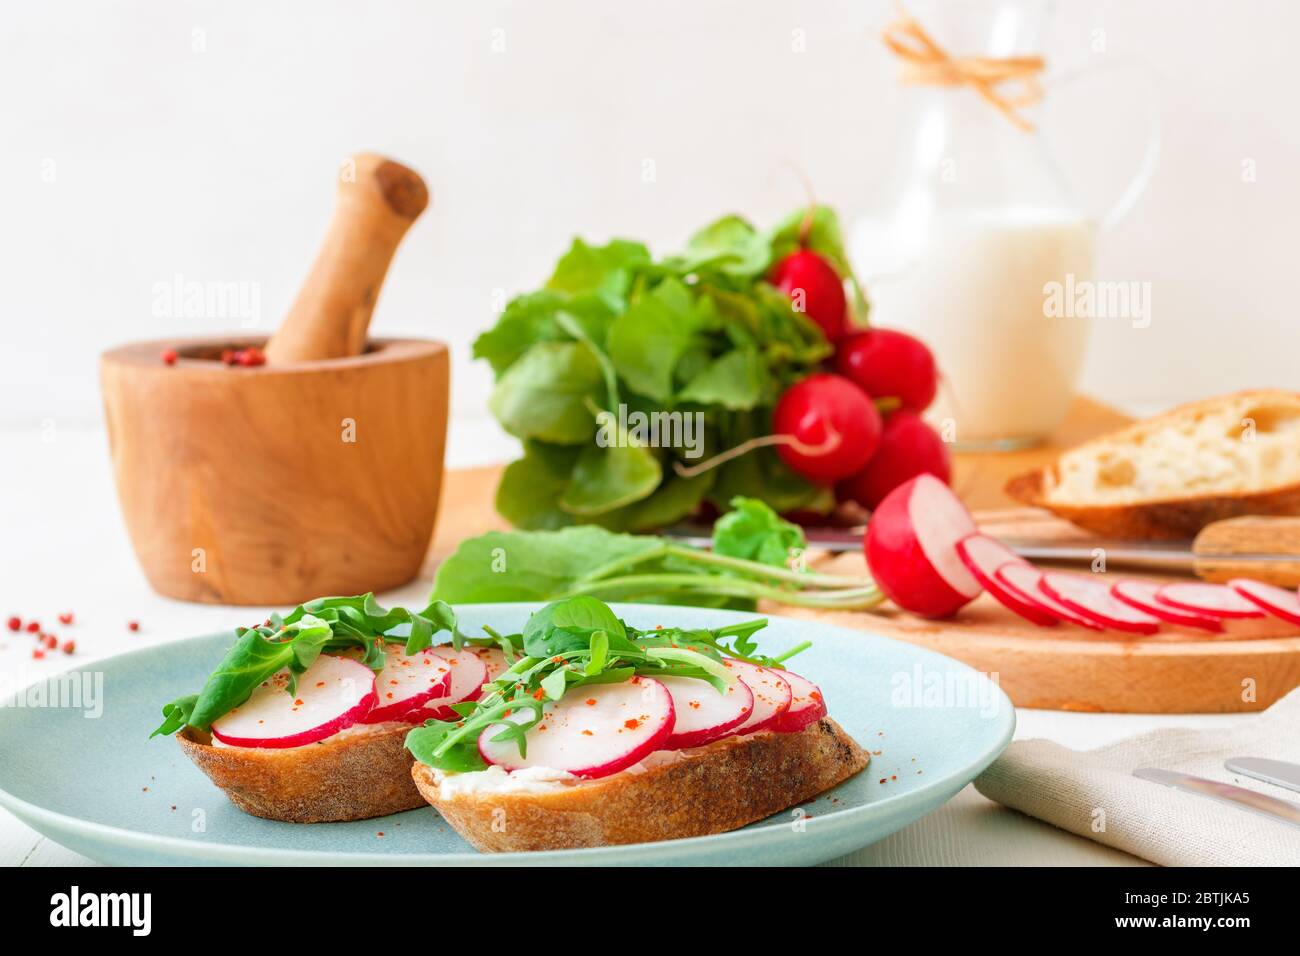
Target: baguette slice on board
1169 476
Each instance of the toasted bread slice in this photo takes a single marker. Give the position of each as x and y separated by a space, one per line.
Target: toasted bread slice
363 772
711 789
1170 475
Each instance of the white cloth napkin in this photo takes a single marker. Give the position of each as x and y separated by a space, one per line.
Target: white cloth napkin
1093 793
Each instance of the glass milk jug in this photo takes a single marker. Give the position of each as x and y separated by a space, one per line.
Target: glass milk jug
982 229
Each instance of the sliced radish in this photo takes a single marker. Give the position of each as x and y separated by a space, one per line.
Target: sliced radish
592 731
1214 600
493 658
468 675
1024 580
983 556
1142 595
1092 598
407 683
333 694
806 705
1280 602
772 696
702 714
911 548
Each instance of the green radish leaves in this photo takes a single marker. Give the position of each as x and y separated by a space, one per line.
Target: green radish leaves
698 334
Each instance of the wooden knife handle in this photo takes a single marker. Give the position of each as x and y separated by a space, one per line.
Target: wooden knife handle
1217 543
377 201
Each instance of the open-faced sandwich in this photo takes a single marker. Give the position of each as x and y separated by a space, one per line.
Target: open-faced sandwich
304 718
580 731
599 733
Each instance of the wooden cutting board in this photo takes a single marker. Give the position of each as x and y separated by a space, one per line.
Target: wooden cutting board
1055 668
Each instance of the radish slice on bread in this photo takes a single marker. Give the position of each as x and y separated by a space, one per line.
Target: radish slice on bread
1142 595
983 556
1280 602
702 714
1025 581
493 658
592 731
1093 599
407 683
806 705
332 695
468 675
1214 600
772 695
911 548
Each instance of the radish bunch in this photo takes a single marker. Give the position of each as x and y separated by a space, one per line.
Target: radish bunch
832 421
927 556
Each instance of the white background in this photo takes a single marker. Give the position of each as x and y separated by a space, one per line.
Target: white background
201 139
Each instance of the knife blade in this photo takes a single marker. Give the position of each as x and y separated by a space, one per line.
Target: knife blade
1153 555
1279 772
1282 811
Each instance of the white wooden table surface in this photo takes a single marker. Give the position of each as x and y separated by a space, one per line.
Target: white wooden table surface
64 548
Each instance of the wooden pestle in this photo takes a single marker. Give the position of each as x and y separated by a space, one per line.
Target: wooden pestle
377 201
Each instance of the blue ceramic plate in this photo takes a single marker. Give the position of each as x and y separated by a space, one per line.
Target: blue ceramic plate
95 782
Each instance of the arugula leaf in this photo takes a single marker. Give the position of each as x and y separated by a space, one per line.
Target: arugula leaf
757 533
176 715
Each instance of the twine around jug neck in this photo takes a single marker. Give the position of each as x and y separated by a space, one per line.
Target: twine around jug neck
924 62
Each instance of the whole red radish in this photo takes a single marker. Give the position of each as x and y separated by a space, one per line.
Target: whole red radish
834 422
908 447
887 363
911 548
815 288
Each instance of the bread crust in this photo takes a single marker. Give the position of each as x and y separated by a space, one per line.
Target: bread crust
363 774
721 786
1164 518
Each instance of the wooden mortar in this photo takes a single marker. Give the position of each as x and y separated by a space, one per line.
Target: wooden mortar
317 473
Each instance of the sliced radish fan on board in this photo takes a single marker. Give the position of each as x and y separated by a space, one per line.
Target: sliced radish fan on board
1142 595
1092 598
772 695
1025 581
408 682
701 714
591 731
1215 600
332 695
983 556
1280 602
